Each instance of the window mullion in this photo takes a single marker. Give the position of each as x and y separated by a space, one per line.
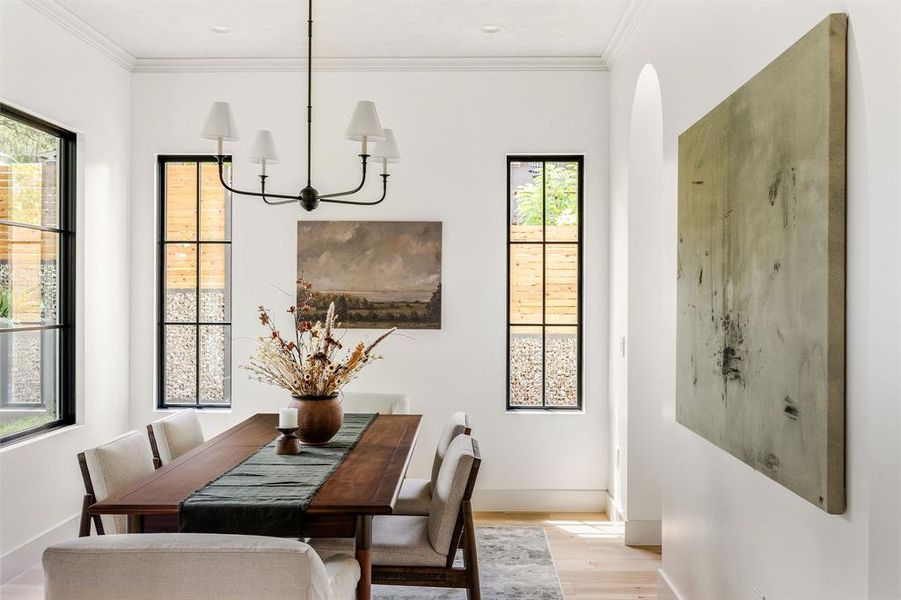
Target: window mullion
543 283
197 292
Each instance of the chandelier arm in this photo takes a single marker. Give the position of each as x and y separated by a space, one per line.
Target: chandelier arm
353 191
263 194
384 194
288 199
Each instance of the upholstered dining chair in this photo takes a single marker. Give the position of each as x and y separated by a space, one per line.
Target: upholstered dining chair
415 497
371 402
174 435
420 550
107 468
187 566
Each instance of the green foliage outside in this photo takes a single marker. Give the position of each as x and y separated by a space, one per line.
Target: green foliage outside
561 196
24 423
6 304
23 143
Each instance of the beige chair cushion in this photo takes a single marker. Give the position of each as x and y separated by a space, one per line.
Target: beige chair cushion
177 434
415 497
396 541
448 491
116 464
457 425
184 566
370 402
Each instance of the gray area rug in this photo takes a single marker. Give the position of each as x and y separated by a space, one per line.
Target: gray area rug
514 563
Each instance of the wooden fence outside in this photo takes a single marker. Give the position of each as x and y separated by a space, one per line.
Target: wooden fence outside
22 249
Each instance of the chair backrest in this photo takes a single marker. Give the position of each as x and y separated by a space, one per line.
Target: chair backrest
454 486
458 424
113 465
184 566
372 402
174 435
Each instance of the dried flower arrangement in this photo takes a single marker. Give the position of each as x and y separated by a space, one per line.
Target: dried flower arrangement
310 365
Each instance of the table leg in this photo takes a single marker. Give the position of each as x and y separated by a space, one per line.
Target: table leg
363 551
135 524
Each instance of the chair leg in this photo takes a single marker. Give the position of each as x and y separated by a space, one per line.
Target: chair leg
470 555
84 525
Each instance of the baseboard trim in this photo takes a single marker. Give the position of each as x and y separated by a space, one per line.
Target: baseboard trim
18 560
673 590
540 500
614 510
643 533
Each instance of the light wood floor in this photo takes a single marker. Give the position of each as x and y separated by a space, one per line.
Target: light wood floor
592 561
588 551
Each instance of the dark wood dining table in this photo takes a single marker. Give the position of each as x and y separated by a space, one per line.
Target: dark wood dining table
364 485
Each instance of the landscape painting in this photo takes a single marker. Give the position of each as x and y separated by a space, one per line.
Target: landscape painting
379 274
761 270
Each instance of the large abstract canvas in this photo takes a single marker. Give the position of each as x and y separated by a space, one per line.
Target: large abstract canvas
379 274
761 289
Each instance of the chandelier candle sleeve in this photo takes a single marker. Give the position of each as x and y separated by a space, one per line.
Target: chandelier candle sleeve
365 126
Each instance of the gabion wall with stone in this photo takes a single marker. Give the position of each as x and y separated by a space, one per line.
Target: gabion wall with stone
561 373
182 351
21 363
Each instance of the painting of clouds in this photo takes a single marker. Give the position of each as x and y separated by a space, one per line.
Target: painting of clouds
379 274
761 281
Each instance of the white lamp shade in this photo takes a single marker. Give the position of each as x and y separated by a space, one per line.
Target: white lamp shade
365 121
263 148
387 149
220 123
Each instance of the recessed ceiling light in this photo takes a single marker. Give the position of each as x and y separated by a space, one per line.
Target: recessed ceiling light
222 29
491 28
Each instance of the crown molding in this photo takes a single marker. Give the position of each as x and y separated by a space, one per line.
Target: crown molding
264 65
103 44
627 25
62 16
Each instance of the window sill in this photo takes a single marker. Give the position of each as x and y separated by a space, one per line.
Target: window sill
545 411
203 410
37 437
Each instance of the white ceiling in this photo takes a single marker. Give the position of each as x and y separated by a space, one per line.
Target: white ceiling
167 29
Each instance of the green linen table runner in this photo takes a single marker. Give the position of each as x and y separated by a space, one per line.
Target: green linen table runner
268 493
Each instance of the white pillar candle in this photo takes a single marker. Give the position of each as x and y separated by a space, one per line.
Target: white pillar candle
363 151
287 418
219 146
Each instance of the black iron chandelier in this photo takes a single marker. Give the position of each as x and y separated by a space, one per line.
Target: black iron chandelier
364 127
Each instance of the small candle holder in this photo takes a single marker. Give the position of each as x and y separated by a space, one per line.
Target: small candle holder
287 442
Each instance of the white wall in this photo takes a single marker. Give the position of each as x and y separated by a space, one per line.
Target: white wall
726 528
52 74
649 337
455 129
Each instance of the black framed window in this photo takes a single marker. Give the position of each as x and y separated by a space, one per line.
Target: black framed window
194 363
37 275
544 291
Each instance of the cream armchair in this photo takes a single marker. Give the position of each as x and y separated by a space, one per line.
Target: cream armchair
187 566
107 468
415 497
420 550
174 435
